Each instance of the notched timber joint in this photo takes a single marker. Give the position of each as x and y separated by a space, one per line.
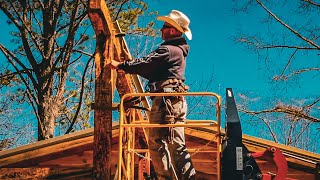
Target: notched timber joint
120 35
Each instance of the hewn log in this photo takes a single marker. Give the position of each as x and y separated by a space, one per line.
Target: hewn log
45 173
99 16
108 47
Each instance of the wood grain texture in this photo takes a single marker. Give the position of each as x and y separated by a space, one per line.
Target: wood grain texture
72 156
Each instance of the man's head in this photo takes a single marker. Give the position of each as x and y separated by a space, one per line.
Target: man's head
168 31
176 24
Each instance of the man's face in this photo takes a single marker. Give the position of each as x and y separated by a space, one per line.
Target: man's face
166 31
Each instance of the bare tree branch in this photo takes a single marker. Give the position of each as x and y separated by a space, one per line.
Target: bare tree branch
82 38
287 26
10 55
37 20
41 4
206 89
84 53
297 137
288 63
58 13
284 77
117 14
80 98
79 18
70 37
273 135
22 28
283 42
287 46
303 70
31 96
312 104
257 44
12 74
311 2
287 110
68 48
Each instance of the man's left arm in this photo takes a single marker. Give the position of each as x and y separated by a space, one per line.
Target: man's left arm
146 65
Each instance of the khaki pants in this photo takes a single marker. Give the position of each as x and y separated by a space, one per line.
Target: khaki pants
168 154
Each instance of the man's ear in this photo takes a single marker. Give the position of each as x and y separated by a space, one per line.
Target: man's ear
172 30
175 31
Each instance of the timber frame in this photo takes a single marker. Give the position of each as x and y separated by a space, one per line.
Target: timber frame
109 45
92 153
71 156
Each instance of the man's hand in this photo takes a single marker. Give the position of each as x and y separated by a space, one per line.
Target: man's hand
114 64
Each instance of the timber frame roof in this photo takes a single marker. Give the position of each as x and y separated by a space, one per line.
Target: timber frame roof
70 156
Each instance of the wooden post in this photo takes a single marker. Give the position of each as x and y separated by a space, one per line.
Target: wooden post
108 47
103 90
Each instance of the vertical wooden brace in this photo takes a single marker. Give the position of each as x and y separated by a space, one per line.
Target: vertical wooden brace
104 88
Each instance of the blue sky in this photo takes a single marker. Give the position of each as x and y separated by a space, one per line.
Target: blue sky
213 50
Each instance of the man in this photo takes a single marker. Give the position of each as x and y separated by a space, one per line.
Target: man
165 69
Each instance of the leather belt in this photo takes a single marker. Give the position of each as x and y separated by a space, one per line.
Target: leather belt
158 86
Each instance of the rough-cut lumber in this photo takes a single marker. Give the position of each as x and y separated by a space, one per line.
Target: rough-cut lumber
104 83
109 46
70 156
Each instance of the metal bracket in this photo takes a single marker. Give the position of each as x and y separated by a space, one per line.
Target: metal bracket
280 161
237 162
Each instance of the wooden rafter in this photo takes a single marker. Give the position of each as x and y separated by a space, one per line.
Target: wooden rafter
73 153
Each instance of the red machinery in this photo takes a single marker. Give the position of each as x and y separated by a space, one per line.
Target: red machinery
280 161
237 161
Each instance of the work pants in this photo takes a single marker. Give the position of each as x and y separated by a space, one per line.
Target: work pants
168 149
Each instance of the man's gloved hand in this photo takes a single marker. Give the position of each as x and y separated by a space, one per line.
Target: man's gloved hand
114 64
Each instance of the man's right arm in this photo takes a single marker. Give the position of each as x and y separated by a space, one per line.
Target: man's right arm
114 64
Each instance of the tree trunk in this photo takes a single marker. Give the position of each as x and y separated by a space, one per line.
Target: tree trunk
48 113
48 107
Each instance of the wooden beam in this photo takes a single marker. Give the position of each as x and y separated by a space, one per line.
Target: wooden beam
109 46
104 88
24 173
66 157
45 173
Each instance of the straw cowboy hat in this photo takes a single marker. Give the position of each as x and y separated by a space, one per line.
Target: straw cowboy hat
178 20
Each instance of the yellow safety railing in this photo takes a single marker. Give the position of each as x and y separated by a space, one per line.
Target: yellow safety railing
129 154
